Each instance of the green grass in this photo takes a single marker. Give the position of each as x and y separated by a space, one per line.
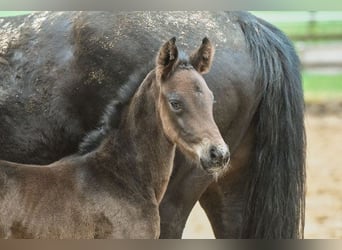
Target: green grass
319 30
300 27
321 87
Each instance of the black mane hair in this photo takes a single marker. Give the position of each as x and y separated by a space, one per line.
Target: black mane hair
111 117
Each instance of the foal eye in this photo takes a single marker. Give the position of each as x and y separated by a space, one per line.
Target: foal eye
175 105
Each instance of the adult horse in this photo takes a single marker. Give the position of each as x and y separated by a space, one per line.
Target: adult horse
58 71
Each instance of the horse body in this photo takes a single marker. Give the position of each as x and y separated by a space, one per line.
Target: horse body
63 66
114 191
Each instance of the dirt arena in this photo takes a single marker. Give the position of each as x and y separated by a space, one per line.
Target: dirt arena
324 181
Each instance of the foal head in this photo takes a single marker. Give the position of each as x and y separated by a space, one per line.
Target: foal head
186 105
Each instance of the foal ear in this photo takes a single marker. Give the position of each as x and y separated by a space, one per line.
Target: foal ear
167 56
202 58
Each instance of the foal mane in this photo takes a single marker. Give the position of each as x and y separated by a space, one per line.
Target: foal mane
110 119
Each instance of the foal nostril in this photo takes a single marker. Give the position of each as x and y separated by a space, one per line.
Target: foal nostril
215 155
219 155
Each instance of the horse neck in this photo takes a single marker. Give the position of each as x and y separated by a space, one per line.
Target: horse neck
140 144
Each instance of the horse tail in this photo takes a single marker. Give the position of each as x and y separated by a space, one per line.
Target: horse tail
276 188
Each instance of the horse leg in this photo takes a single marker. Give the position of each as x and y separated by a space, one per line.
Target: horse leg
224 201
178 201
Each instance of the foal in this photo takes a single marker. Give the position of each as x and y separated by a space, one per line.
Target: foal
114 191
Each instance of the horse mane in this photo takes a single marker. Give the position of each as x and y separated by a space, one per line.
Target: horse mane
110 119
276 189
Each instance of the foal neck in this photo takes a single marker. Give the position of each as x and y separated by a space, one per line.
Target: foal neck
140 145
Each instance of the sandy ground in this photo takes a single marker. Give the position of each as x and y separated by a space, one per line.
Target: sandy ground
324 183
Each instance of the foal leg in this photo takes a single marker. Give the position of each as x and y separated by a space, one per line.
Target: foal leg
224 200
186 185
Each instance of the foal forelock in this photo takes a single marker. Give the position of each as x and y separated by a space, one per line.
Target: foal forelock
183 62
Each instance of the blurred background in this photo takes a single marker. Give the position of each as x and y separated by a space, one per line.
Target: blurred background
317 36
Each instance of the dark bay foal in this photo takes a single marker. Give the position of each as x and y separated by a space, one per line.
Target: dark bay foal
114 191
